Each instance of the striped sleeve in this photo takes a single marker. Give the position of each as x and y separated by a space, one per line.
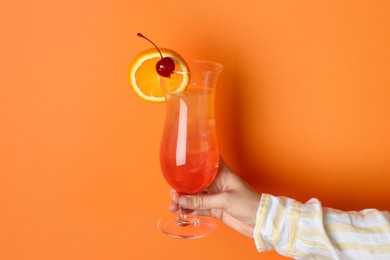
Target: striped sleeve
309 231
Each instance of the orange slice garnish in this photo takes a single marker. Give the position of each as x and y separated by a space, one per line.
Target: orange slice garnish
145 80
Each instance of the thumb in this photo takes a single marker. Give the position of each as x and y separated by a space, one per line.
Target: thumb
204 201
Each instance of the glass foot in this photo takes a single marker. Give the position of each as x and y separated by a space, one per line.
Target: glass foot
187 226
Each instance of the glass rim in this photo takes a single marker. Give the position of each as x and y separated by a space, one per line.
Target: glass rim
211 67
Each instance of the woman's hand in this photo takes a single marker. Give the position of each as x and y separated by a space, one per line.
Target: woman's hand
228 198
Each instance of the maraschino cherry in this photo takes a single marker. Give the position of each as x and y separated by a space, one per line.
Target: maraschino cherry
166 65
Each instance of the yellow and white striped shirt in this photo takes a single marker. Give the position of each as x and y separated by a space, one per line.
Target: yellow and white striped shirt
309 231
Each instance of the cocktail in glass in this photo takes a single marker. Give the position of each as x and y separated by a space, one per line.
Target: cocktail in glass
189 152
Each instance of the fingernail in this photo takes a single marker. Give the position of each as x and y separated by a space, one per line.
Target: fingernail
172 208
174 196
172 192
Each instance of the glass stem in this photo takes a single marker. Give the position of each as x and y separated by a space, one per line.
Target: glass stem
187 217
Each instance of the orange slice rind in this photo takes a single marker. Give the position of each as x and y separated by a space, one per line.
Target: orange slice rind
145 81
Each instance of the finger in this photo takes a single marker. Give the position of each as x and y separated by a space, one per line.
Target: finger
173 207
204 212
174 196
201 201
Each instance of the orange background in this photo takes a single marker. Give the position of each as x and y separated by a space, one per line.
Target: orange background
303 110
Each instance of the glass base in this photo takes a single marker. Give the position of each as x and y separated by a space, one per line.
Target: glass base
187 225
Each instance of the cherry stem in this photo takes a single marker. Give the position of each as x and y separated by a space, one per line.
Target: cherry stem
140 35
